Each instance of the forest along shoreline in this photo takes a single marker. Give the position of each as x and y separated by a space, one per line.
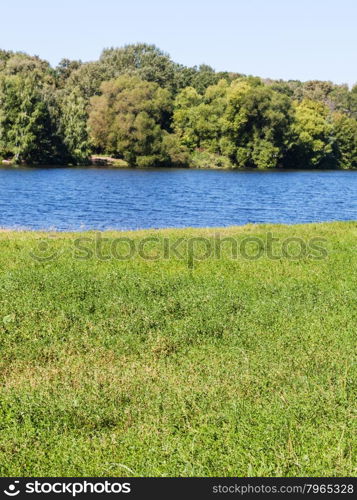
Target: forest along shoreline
136 107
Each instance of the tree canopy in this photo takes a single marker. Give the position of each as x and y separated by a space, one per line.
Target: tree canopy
130 119
137 104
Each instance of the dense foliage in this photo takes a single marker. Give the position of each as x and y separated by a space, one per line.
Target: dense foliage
136 104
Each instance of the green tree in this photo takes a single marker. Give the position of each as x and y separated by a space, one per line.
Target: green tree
198 119
146 61
354 102
313 137
345 147
64 70
246 122
25 125
129 119
256 125
185 117
217 118
87 78
73 127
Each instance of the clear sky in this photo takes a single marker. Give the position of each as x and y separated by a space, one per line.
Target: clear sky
290 39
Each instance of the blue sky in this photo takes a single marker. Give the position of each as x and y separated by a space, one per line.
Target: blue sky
290 39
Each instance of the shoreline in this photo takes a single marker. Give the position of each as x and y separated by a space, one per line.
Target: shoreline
207 230
124 166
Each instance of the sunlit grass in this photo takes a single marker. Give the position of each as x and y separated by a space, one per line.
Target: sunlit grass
218 367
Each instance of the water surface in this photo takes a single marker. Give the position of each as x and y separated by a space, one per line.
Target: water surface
105 198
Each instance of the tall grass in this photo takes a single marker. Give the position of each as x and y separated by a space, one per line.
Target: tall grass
218 367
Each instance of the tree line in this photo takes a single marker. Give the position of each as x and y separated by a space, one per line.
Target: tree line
136 104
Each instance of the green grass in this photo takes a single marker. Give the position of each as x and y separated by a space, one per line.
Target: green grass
174 367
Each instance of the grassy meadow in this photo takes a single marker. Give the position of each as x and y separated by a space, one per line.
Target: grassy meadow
179 365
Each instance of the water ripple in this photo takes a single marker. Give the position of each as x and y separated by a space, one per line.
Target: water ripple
94 198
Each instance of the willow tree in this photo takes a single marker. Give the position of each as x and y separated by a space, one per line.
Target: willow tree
130 120
73 128
25 124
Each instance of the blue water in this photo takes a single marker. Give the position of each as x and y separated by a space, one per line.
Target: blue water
101 198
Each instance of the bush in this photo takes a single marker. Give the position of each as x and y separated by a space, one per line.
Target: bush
205 159
177 154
